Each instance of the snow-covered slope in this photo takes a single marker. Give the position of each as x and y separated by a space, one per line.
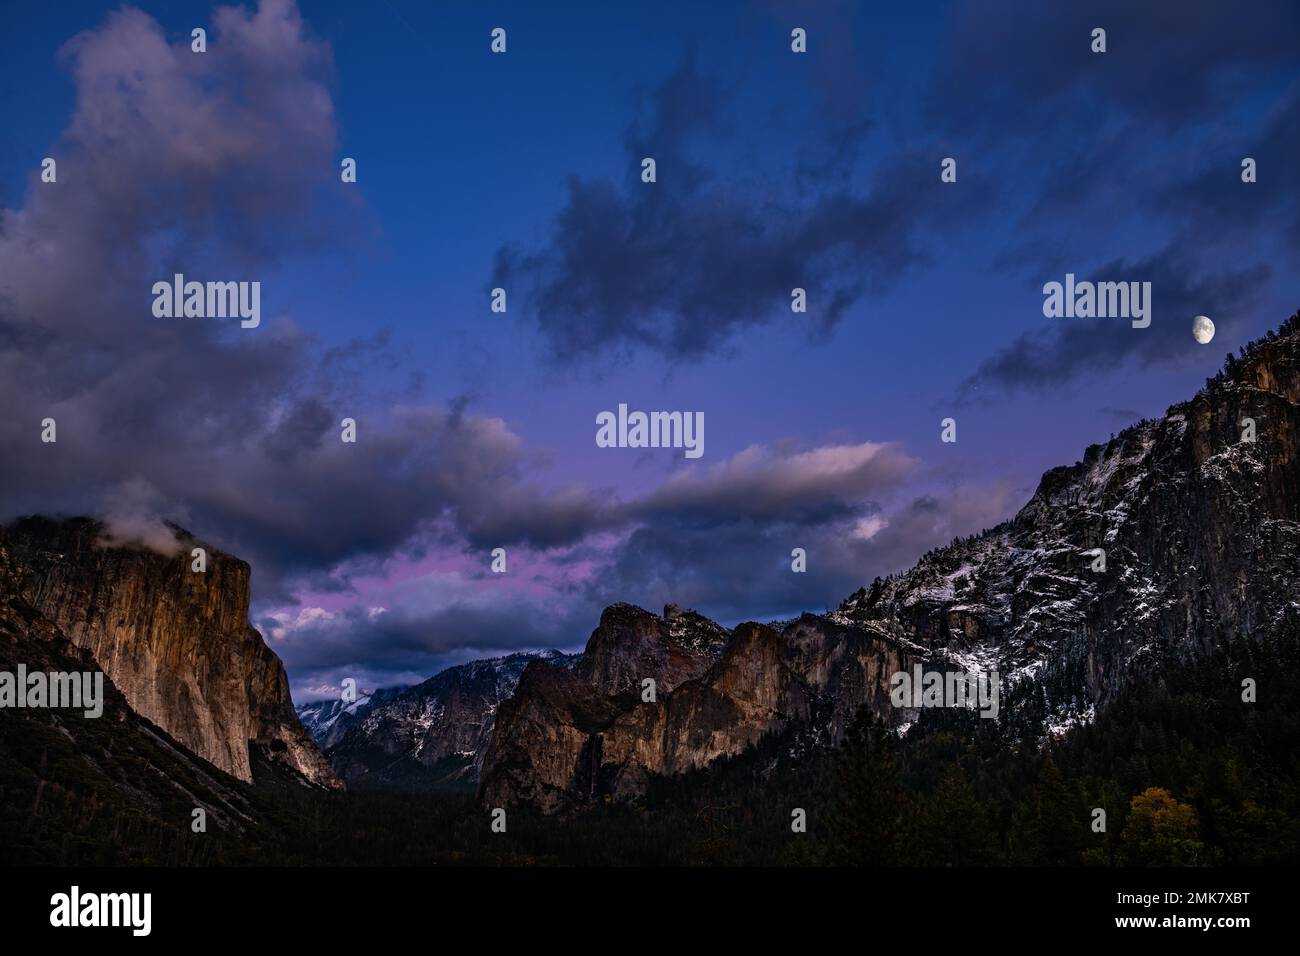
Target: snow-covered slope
1200 531
1175 536
328 720
435 732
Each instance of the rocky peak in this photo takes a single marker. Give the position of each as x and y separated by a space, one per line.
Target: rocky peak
563 741
436 732
176 642
83 775
631 644
1197 524
329 720
545 749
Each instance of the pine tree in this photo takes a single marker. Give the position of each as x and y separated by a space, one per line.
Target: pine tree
867 814
1058 822
952 828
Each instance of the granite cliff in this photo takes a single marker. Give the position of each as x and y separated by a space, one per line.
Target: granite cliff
177 643
112 789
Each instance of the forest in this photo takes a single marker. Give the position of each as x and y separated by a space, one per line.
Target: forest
1183 771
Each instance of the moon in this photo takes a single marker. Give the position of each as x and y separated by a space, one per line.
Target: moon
1202 329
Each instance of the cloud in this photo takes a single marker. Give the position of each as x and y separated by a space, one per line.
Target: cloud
683 265
453 620
222 167
130 514
765 482
1164 63
1073 347
734 566
1136 151
720 539
172 162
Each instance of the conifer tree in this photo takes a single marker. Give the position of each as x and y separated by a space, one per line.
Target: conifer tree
1058 822
867 815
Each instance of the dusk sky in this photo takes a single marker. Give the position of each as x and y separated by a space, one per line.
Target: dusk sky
522 170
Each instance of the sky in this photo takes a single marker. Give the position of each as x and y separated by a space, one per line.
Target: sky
522 171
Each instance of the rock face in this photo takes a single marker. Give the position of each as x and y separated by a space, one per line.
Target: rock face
177 643
435 732
1200 529
1200 533
632 644
438 732
546 747
563 740
72 775
550 744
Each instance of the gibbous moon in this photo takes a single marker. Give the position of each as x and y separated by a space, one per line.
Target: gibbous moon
1202 329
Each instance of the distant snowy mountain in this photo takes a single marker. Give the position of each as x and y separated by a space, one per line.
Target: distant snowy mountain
328 720
433 733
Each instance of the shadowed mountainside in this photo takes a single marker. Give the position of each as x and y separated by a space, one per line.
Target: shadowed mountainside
1198 516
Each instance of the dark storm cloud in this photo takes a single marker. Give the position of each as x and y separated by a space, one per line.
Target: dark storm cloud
1140 146
386 647
219 166
733 566
681 265
1029 64
1074 347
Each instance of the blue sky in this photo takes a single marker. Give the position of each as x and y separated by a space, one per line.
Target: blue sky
775 169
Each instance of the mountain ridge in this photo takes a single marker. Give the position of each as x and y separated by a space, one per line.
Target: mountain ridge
1198 514
433 733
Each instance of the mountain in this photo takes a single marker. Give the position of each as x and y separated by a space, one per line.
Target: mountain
175 642
434 733
1198 516
631 644
563 741
1199 530
110 789
328 720
438 732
